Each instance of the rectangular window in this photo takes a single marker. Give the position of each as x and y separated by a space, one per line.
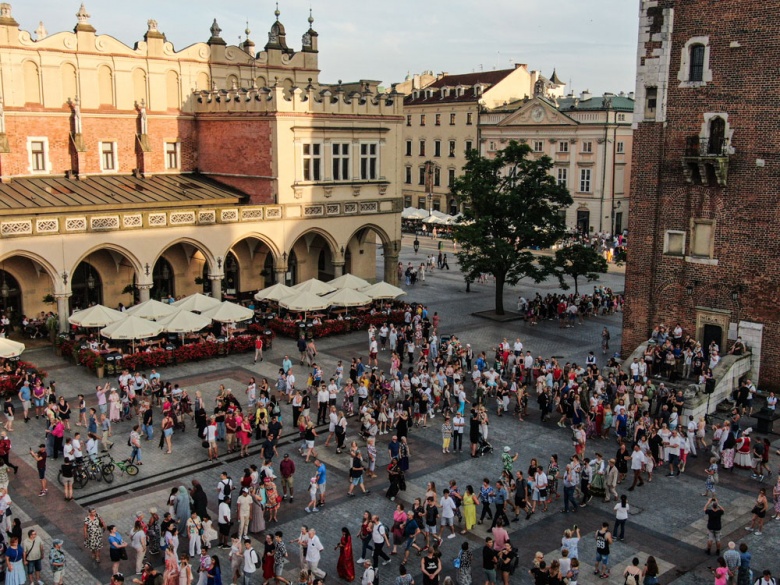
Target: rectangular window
436 177
421 203
422 176
408 119
620 147
407 200
369 161
38 156
452 148
171 155
587 147
492 146
108 156
469 118
621 118
408 148
408 177
437 148
450 177
563 146
422 147
538 146
674 243
452 119
584 180
563 177
437 120
422 119
341 162
697 63
469 145
312 162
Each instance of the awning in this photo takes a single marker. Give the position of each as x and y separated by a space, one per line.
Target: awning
95 316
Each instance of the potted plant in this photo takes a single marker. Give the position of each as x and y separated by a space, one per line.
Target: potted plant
100 366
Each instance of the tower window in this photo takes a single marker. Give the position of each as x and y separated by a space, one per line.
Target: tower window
696 72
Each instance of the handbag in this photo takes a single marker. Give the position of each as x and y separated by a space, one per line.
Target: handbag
456 562
205 444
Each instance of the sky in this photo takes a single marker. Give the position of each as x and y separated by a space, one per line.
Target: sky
592 44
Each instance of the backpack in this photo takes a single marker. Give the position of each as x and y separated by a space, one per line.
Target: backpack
228 487
375 580
631 579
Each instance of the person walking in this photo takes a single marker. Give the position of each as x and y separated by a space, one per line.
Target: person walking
93 533
313 554
638 460
250 562
603 540
379 539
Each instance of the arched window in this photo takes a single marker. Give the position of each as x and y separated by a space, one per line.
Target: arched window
106 86
32 83
139 86
163 279
69 83
172 87
717 137
696 70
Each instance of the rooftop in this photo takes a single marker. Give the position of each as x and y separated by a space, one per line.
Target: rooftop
127 191
467 80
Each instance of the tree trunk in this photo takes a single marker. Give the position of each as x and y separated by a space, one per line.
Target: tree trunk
500 293
576 290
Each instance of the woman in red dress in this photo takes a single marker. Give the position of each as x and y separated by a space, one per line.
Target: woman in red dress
268 558
346 563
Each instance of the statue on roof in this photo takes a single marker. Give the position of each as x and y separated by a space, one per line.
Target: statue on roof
82 16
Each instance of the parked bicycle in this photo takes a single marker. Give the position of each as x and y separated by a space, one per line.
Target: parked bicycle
125 466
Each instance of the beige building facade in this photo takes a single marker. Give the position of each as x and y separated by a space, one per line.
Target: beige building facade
589 139
442 123
138 172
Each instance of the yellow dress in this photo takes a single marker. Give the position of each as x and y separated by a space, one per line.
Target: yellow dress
469 512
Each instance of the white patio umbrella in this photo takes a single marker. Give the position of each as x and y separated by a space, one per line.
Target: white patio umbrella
413 213
347 297
95 316
349 281
182 321
132 328
383 290
275 292
10 348
227 312
304 302
314 286
152 309
197 302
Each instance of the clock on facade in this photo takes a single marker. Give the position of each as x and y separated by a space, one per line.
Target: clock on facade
537 114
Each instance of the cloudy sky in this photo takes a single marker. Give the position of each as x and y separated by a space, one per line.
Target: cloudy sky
592 44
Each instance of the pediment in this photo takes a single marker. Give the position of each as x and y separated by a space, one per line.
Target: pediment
537 112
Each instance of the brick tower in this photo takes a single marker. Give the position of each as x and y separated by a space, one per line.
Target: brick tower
704 187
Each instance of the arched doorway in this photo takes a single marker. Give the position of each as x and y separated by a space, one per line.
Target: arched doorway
231 283
269 271
188 268
254 262
10 295
314 257
364 253
325 270
86 286
163 280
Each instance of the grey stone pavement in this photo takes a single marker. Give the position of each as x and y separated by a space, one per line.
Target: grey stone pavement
666 515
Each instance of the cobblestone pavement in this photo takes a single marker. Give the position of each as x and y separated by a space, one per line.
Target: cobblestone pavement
666 515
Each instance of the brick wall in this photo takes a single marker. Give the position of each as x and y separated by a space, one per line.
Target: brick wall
239 147
743 52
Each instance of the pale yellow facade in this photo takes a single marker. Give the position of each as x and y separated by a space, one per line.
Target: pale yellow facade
236 132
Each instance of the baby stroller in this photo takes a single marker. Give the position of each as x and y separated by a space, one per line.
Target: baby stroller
483 446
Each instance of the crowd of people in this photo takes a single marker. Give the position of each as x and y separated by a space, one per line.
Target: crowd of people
431 380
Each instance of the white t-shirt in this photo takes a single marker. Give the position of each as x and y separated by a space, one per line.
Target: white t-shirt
637 459
313 550
621 513
447 506
224 513
674 445
250 560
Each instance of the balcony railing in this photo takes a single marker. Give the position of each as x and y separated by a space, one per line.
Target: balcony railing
696 146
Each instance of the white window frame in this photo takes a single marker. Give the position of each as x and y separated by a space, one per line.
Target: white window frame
666 242
369 161
562 177
563 146
46 160
620 148
453 145
176 151
538 146
683 75
451 176
421 147
492 146
310 171
453 117
409 148
587 147
408 175
341 163
114 155
586 176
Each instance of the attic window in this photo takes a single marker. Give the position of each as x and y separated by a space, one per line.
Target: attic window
477 90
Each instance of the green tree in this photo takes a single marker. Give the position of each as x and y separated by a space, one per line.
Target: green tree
575 261
511 204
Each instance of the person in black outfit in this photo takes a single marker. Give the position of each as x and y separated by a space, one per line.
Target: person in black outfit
474 431
431 567
489 560
395 475
200 500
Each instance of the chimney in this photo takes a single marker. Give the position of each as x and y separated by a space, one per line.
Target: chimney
631 95
585 95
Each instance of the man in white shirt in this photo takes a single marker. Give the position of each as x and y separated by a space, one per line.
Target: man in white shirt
518 348
223 520
528 365
634 367
368 574
244 510
672 448
251 561
458 426
447 506
313 554
637 461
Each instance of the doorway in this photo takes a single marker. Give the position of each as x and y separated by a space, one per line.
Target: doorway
583 221
712 333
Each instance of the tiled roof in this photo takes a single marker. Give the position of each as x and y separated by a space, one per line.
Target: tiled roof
469 80
50 193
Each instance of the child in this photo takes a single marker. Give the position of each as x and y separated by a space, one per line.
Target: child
312 507
209 533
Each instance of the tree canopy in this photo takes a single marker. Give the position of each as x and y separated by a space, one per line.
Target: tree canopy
576 261
511 204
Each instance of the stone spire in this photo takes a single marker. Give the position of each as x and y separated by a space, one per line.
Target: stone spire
277 37
248 45
309 40
6 19
41 32
82 20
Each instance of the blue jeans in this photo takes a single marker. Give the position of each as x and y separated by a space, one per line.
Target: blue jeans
149 431
568 496
135 456
619 525
221 431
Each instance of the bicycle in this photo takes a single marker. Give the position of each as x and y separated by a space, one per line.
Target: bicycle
125 466
80 476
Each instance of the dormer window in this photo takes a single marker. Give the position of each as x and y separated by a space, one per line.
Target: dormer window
477 90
